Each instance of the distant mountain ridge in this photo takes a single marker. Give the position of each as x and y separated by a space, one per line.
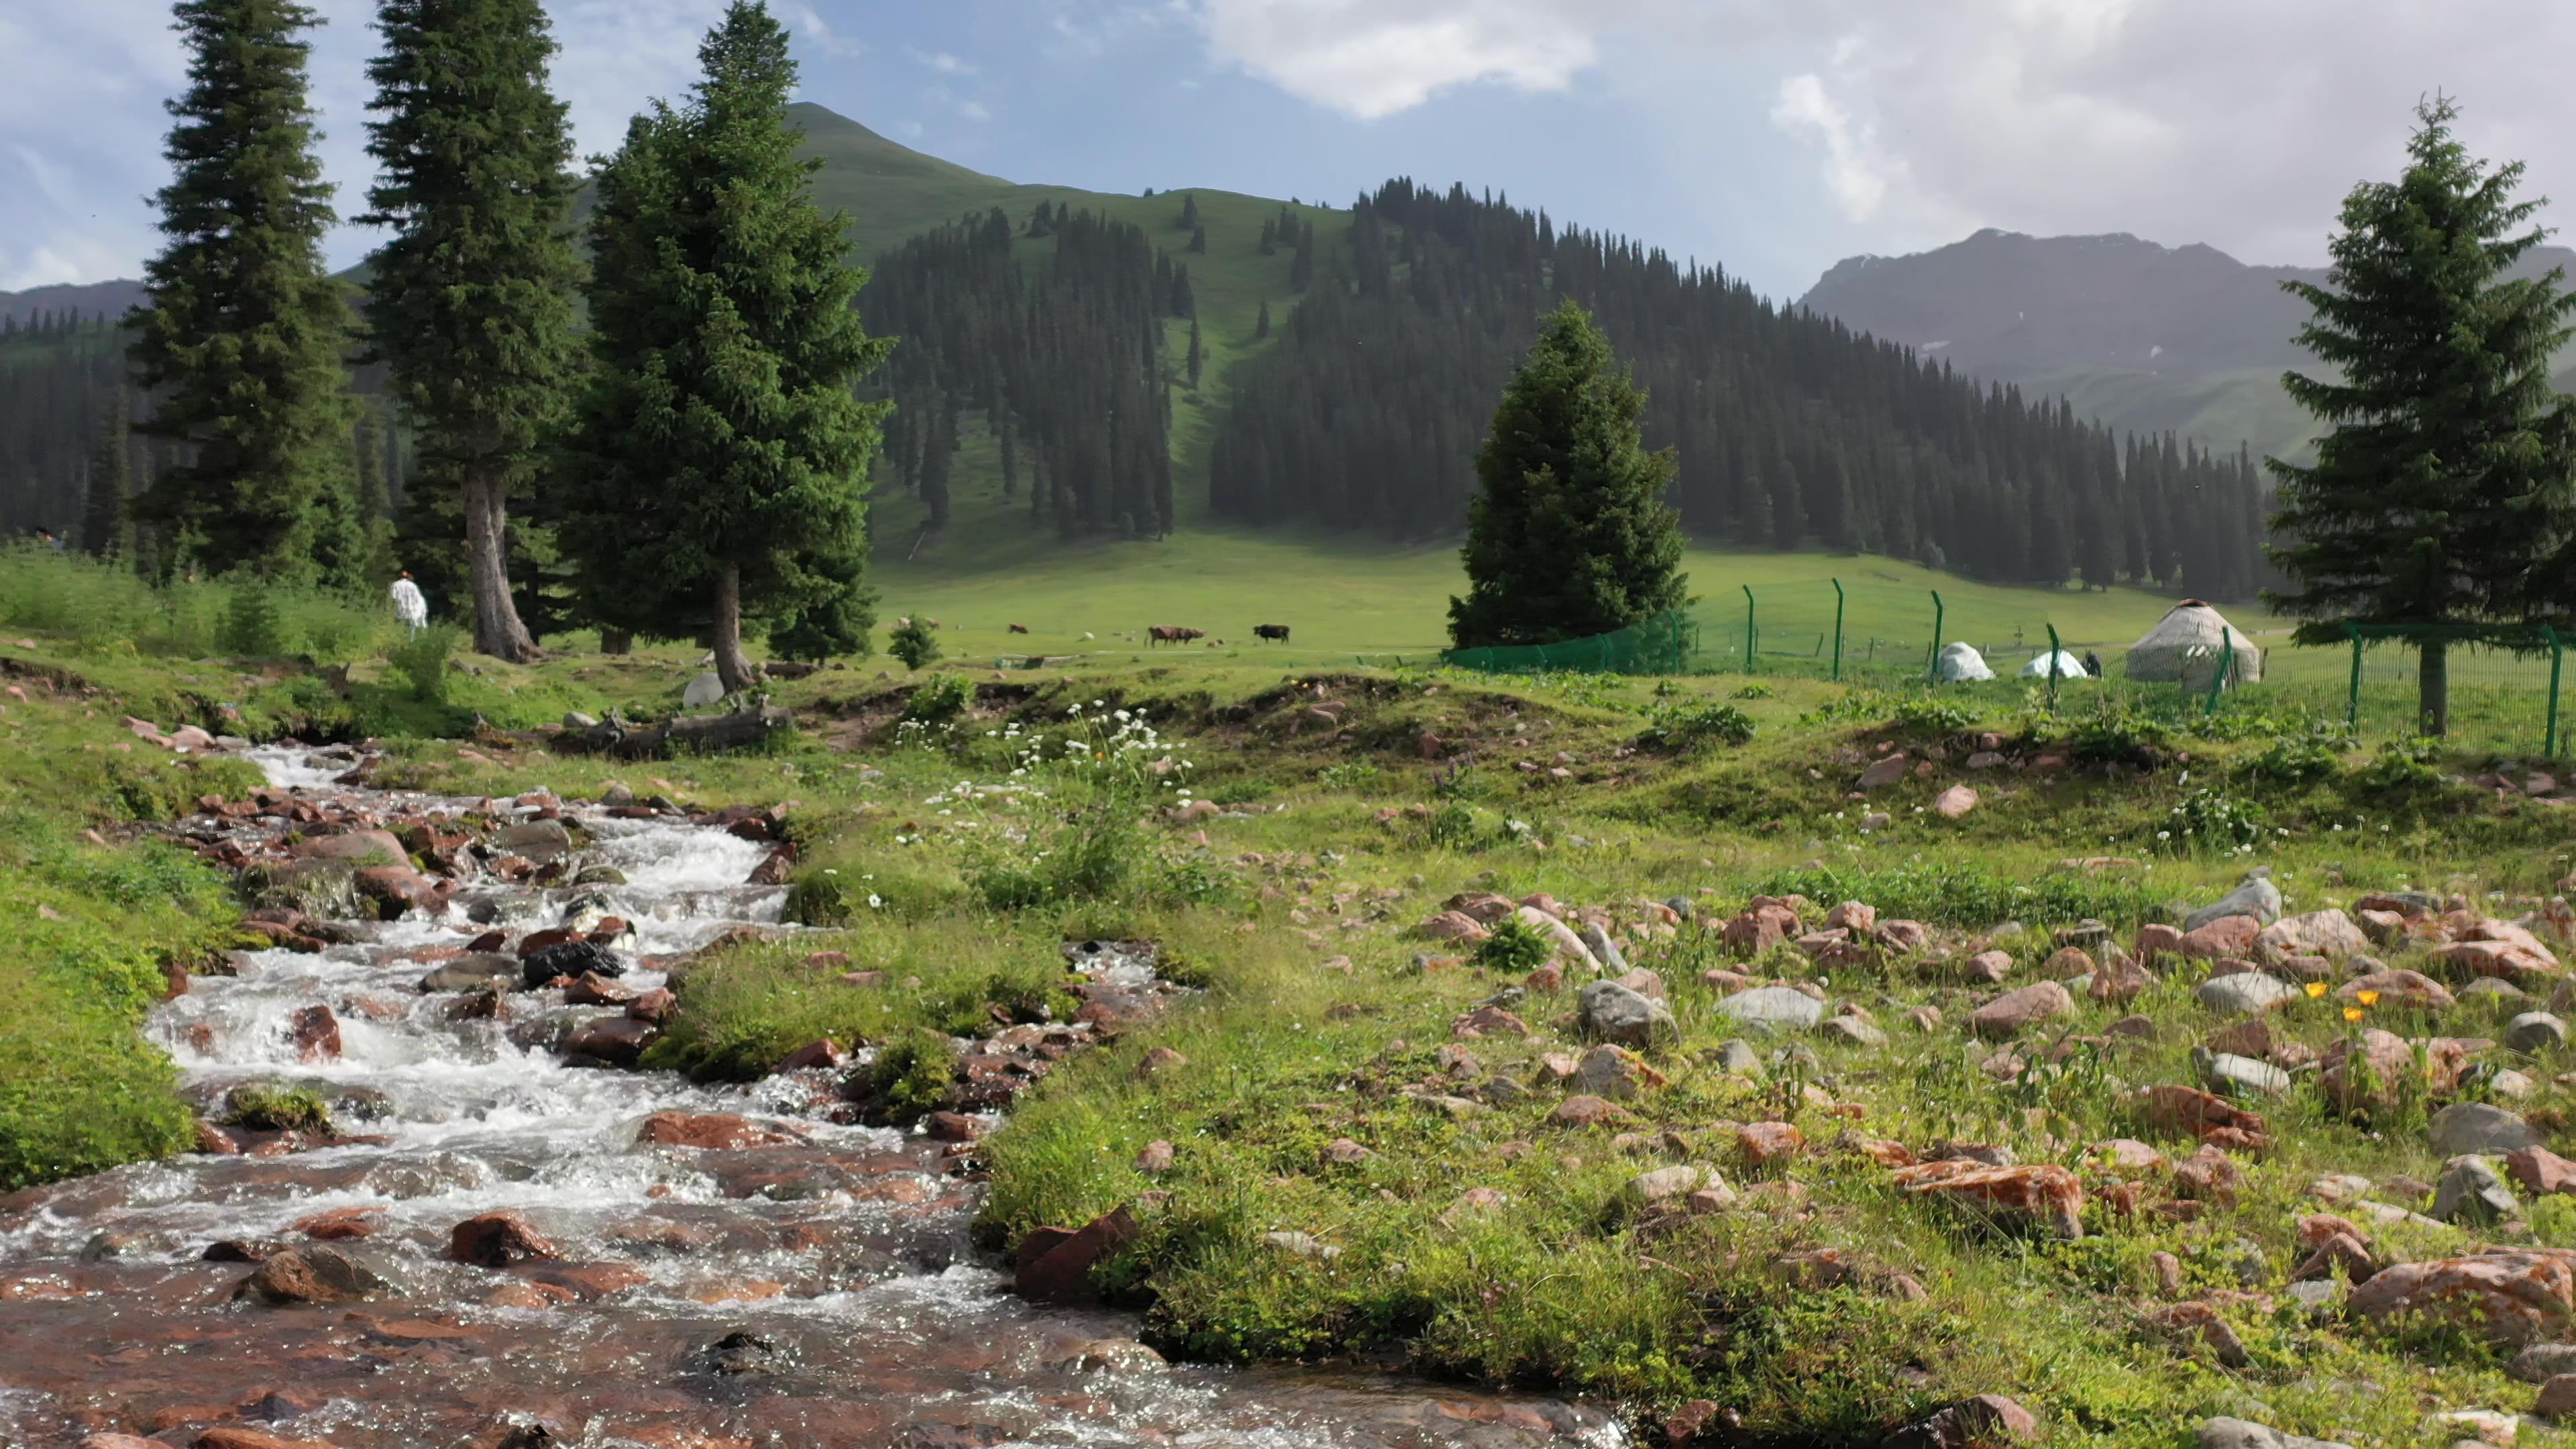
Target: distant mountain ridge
2147 336
94 299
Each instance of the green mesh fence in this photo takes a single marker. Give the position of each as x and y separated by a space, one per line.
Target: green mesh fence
1665 644
1883 631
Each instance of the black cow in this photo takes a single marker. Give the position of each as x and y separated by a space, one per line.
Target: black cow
1278 632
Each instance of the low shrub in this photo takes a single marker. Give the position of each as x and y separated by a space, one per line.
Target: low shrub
267 1107
1684 726
940 699
907 1079
1516 947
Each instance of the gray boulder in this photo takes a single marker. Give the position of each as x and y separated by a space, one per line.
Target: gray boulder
2535 1032
2540 1362
538 840
2230 1075
1852 1031
1608 1011
2243 993
1737 1057
468 973
2224 1433
1772 1009
2472 1191
1603 949
2464 1128
2257 897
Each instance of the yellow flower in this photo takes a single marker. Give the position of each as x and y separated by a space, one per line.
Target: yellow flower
2369 998
2352 1013
2316 989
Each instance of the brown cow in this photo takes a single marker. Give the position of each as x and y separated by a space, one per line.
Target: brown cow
1019 628
1171 634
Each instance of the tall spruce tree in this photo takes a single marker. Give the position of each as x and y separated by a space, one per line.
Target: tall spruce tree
242 331
2442 489
104 531
1569 535
471 300
721 455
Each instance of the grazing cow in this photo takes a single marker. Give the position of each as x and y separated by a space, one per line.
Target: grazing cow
1019 628
1171 634
1278 632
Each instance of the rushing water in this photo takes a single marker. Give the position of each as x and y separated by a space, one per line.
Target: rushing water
815 1292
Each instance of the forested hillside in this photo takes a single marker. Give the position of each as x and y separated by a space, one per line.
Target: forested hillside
1078 364
1790 429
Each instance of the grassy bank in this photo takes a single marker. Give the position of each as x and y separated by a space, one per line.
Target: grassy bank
1347 1181
97 919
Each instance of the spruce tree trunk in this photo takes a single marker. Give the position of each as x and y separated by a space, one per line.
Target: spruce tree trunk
497 630
733 667
2433 687
616 641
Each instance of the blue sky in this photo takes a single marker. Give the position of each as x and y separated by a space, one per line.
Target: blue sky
1772 136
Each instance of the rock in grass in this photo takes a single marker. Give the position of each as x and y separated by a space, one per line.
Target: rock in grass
1852 1031
2540 1362
1608 1011
2505 1298
1665 1183
2541 1171
2010 1013
2464 1128
1772 1009
2557 1398
1603 949
2535 1032
2473 1192
2256 897
2244 993
1737 1057
2231 1075
2224 1433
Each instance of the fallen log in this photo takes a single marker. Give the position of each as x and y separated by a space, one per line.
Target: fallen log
693 734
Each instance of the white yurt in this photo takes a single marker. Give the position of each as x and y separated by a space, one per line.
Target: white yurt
1960 663
2068 666
2187 645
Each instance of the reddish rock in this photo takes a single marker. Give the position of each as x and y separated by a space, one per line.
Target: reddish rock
2154 941
1061 1273
2541 1171
2200 1323
1156 1158
488 941
825 1055
497 1240
2044 1193
2229 938
612 1039
711 1131
2014 1011
2188 1111
1858 917
1987 1419
316 1034
2391 1063
2557 1398
1488 1021
1764 1143
339 1224
233 1436
952 1127
1160 1059
653 1007
1585 1111
1452 926
535 941
594 989
2507 1297
566 1282
315 1273
2209 1176
359 845
2341 1255
2524 966
1683 1425
1988 966
1884 771
1954 802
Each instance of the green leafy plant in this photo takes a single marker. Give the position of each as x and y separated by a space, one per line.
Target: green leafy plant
1752 691
2210 819
908 1078
1515 947
2298 759
1350 775
1682 727
940 698
2401 768
423 661
2111 732
1929 714
913 642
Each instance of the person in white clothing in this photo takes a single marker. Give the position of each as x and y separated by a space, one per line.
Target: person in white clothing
409 606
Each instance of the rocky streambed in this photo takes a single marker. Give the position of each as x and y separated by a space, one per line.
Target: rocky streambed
509 1236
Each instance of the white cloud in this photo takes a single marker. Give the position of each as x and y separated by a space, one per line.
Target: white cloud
940 61
2237 122
1374 58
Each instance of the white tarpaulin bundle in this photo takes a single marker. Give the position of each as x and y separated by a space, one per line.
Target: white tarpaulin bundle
2068 667
1959 663
2189 645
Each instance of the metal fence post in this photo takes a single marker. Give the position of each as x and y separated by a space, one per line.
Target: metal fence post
1748 628
2352 701
1934 663
2226 667
2053 652
1838 628
2557 656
